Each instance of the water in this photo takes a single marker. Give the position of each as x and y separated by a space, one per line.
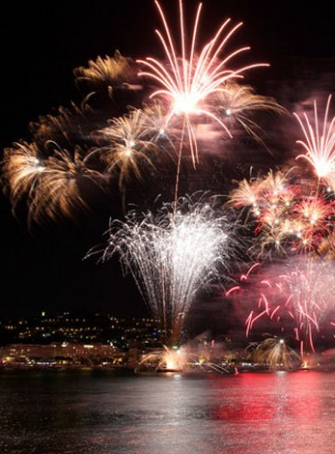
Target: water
90 412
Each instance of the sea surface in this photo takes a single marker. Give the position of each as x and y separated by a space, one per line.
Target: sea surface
103 412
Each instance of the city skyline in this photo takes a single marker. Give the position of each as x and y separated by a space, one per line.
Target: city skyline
45 268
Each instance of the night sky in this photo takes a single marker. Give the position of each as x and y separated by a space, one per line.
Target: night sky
43 269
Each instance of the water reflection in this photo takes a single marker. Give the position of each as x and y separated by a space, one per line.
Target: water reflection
273 396
279 412
91 413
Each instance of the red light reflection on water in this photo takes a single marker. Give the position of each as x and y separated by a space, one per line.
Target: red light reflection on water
269 397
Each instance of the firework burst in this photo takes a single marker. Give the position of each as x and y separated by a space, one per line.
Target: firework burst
191 78
237 103
319 143
297 298
60 191
116 72
172 255
129 141
287 217
275 352
49 184
22 169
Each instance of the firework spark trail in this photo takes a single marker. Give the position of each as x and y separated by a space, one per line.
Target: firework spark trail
319 143
190 80
110 71
287 217
167 358
193 83
277 354
49 184
60 189
172 255
183 359
236 104
22 170
128 142
298 296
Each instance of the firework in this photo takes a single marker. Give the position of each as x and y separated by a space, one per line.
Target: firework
172 255
297 298
182 359
22 169
60 191
129 141
246 195
287 216
191 78
155 116
68 126
275 352
236 104
50 185
112 72
165 359
319 143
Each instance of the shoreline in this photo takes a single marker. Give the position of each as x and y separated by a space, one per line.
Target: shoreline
132 370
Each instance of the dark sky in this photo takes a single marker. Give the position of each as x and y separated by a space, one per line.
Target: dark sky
41 45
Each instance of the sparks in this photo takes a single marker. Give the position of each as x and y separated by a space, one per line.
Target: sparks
319 144
192 77
172 255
